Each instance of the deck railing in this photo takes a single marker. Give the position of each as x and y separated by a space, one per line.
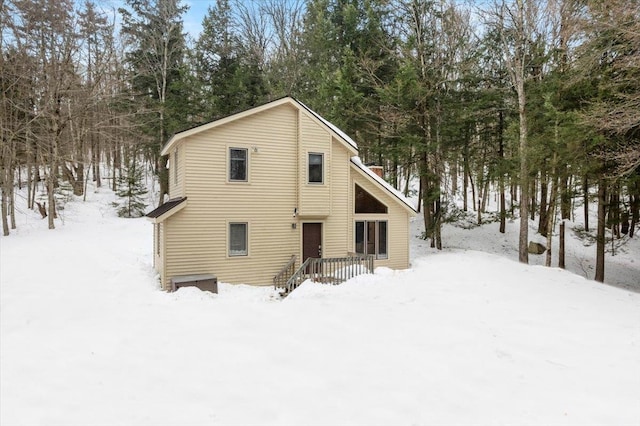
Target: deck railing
333 270
280 280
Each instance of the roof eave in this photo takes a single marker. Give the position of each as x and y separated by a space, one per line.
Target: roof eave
166 215
207 126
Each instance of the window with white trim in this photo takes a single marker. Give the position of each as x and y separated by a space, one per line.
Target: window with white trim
371 238
316 164
238 164
238 239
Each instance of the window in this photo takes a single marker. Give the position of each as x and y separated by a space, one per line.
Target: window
238 239
367 203
371 238
315 168
238 164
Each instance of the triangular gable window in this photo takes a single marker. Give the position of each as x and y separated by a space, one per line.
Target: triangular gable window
367 203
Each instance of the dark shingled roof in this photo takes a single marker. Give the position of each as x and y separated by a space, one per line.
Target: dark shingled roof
165 207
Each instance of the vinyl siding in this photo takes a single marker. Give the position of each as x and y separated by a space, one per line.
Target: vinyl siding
397 222
314 198
336 240
176 189
157 255
198 236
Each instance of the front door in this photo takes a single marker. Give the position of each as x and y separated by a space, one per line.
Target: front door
311 240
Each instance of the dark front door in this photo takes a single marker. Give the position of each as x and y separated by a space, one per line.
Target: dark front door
311 240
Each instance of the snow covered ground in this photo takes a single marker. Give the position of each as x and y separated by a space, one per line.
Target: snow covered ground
461 338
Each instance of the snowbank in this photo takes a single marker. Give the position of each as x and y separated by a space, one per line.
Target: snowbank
463 337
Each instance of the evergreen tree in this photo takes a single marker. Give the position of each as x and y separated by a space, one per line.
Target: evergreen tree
153 30
229 72
131 188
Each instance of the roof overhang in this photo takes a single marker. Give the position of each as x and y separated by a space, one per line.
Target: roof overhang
167 210
216 123
374 178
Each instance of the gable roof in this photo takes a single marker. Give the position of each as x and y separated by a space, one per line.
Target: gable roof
167 209
404 201
339 134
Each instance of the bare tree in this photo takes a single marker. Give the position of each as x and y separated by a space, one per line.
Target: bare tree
286 60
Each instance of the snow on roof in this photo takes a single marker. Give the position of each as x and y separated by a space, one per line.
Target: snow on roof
327 123
356 161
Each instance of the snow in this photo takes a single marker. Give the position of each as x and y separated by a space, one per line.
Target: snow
463 337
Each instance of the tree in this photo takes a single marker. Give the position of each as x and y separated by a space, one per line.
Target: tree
131 188
608 66
45 32
153 31
517 24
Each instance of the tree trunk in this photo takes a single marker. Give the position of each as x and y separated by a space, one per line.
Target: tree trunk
602 199
565 194
473 190
614 211
561 249
550 216
514 197
51 196
534 191
53 176
542 219
465 181
12 199
585 192
454 177
503 207
485 196
3 207
424 183
407 181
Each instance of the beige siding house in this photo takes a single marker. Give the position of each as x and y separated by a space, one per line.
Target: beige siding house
249 191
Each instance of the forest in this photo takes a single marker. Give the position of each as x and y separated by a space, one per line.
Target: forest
533 103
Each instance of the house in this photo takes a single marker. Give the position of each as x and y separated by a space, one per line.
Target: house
249 191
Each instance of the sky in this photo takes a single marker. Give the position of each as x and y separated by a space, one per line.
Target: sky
192 18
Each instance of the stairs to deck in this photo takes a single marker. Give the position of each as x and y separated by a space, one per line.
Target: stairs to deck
333 270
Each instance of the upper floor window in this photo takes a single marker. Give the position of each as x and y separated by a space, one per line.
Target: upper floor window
238 164
316 168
